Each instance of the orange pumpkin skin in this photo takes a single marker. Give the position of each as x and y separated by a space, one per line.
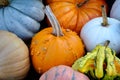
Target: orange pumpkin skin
63 72
48 50
73 17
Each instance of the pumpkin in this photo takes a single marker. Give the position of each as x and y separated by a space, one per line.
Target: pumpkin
21 17
100 29
14 57
63 72
73 14
54 46
114 12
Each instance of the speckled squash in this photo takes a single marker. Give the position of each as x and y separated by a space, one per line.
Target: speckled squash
54 46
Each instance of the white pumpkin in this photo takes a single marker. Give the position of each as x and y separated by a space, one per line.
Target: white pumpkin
14 57
115 10
94 33
21 17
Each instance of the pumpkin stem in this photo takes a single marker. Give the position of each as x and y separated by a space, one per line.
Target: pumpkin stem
82 3
104 15
4 3
106 43
54 22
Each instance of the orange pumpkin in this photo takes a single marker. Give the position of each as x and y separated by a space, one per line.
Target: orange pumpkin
54 46
73 14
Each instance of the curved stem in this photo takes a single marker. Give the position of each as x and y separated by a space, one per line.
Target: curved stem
82 3
107 43
54 22
104 15
4 3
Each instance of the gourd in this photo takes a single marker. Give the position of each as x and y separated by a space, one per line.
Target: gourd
21 17
100 64
14 57
100 29
114 12
54 46
63 72
73 14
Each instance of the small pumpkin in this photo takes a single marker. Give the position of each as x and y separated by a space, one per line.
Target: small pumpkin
100 29
63 72
54 46
73 14
114 12
14 57
21 17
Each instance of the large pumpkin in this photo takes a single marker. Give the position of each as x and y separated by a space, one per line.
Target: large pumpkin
63 72
14 57
73 14
53 46
21 16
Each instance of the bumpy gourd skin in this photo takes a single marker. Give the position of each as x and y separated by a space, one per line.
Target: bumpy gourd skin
47 50
54 46
101 64
22 17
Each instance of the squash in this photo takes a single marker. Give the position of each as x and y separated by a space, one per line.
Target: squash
54 46
21 17
14 57
114 12
73 14
100 64
100 29
62 72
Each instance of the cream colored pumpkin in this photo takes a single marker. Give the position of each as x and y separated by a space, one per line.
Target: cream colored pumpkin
100 29
14 57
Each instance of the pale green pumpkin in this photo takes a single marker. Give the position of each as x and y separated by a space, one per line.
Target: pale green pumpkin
14 57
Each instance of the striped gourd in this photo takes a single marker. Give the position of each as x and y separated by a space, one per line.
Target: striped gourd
63 72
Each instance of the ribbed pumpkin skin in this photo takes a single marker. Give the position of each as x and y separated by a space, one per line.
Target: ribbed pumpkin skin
73 17
63 72
22 17
48 50
14 57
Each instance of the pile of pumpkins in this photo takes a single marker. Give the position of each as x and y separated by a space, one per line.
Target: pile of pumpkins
74 28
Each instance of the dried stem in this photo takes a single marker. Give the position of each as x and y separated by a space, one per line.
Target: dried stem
54 22
82 3
104 15
4 3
